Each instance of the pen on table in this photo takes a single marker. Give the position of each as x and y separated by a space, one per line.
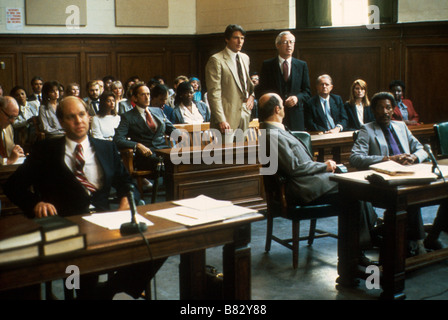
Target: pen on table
184 215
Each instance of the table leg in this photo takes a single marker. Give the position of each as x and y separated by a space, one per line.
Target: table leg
348 242
393 254
192 279
237 266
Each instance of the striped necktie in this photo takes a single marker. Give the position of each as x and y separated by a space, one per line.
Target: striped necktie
150 121
79 169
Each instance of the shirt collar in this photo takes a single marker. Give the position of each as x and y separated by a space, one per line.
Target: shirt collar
276 124
282 59
231 53
71 145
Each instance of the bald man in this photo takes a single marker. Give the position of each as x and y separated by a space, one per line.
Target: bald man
9 151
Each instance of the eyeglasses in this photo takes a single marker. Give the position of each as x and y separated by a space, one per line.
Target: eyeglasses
288 42
9 116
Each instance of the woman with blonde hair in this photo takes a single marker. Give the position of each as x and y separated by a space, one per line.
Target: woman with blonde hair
358 106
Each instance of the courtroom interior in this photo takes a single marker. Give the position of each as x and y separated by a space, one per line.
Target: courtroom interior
115 113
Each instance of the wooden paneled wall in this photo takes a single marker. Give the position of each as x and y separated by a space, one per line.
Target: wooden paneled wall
416 53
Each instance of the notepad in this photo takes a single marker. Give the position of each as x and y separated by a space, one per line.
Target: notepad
113 220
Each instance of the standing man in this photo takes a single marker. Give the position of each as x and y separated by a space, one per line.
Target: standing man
325 111
93 98
289 78
36 85
9 151
230 91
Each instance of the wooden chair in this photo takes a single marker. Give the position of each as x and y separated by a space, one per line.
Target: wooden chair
278 205
127 156
441 133
40 135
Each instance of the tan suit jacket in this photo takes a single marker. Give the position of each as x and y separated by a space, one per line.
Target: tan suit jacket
224 92
8 138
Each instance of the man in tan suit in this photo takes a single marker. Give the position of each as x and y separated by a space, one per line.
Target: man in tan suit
9 111
230 91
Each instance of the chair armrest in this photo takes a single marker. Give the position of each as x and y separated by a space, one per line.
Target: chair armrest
127 156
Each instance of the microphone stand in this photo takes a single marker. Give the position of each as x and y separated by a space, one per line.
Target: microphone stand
132 227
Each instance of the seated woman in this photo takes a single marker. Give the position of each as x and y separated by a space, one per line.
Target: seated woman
187 111
106 120
49 123
72 90
117 88
24 131
404 110
358 106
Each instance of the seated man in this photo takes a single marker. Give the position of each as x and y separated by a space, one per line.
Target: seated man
74 175
146 128
325 112
9 151
159 99
309 181
383 140
93 97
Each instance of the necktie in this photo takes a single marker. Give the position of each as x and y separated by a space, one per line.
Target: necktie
79 169
392 143
39 97
285 71
240 73
149 120
330 122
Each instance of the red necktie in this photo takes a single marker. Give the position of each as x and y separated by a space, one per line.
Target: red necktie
149 120
79 169
285 71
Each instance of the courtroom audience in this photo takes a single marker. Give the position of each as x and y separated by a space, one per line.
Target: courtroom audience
9 151
325 111
187 110
106 120
49 123
172 96
118 91
73 89
36 86
24 131
93 96
358 106
404 109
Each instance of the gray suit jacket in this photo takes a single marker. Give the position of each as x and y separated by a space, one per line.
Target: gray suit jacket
307 179
371 146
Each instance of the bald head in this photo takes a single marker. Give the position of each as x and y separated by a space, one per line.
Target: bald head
270 107
9 111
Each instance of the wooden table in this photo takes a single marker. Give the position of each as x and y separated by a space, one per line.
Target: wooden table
395 199
338 146
238 182
108 250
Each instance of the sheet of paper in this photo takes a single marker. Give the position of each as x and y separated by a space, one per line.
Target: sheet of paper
202 203
193 217
113 220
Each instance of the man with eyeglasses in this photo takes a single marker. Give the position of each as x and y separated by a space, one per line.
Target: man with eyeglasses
143 129
9 151
289 78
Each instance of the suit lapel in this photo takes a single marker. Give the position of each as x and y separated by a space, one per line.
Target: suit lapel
232 67
401 137
381 140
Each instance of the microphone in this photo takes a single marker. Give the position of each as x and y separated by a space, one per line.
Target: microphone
132 227
435 165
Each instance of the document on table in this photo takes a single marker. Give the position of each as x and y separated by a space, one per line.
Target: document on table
210 210
113 220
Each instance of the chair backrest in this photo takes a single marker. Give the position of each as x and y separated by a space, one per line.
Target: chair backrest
305 137
441 132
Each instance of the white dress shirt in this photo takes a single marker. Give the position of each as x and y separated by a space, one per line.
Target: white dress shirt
92 168
193 117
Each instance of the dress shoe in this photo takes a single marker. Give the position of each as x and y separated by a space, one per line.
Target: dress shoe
432 244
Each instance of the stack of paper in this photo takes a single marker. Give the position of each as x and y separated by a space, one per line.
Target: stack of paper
201 210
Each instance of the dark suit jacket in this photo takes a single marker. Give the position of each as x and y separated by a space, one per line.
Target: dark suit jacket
271 81
53 182
352 117
315 119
